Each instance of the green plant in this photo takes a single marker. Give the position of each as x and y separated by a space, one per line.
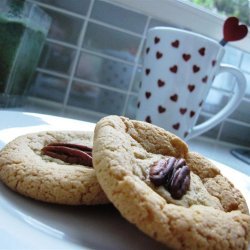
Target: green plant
238 8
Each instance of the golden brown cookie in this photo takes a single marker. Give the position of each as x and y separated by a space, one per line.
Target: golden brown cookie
210 214
29 169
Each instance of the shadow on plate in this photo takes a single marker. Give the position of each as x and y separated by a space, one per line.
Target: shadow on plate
94 227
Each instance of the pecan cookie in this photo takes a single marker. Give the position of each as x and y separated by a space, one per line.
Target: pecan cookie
175 196
52 166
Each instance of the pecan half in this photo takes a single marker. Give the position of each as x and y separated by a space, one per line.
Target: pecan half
173 174
161 172
70 153
180 180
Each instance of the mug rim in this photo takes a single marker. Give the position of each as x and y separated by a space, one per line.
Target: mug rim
179 30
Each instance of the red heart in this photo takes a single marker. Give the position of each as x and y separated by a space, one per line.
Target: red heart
158 55
202 51
147 71
204 79
161 109
147 94
196 68
232 31
160 83
176 126
183 111
186 57
148 119
191 87
192 113
173 69
157 39
174 97
175 44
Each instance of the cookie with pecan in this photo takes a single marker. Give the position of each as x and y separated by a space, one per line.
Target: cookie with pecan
53 166
173 195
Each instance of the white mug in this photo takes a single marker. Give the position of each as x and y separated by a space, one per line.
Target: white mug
178 71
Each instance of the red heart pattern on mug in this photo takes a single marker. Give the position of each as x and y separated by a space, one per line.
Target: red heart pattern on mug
191 87
161 109
202 51
174 69
192 113
147 94
175 44
176 126
148 119
196 68
147 71
204 79
174 97
183 110
158 55
188 59
157 40
160 83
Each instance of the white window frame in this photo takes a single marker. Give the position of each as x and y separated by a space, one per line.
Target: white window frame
185 14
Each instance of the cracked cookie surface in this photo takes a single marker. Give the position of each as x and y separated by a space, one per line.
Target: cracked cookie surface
26 170
211 215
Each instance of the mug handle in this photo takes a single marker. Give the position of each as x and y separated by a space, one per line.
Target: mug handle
230 106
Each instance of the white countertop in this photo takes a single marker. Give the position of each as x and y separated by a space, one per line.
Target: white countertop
25 222
219 152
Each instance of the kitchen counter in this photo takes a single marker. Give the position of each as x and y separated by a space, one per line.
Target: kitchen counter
220 152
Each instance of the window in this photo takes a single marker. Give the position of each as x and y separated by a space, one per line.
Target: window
238 8
202 16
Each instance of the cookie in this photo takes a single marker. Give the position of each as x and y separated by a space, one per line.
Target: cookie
46 166
175 196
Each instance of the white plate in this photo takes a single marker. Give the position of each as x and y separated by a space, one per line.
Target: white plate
29 224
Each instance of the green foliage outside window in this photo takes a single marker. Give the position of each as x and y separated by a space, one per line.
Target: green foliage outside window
238 8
